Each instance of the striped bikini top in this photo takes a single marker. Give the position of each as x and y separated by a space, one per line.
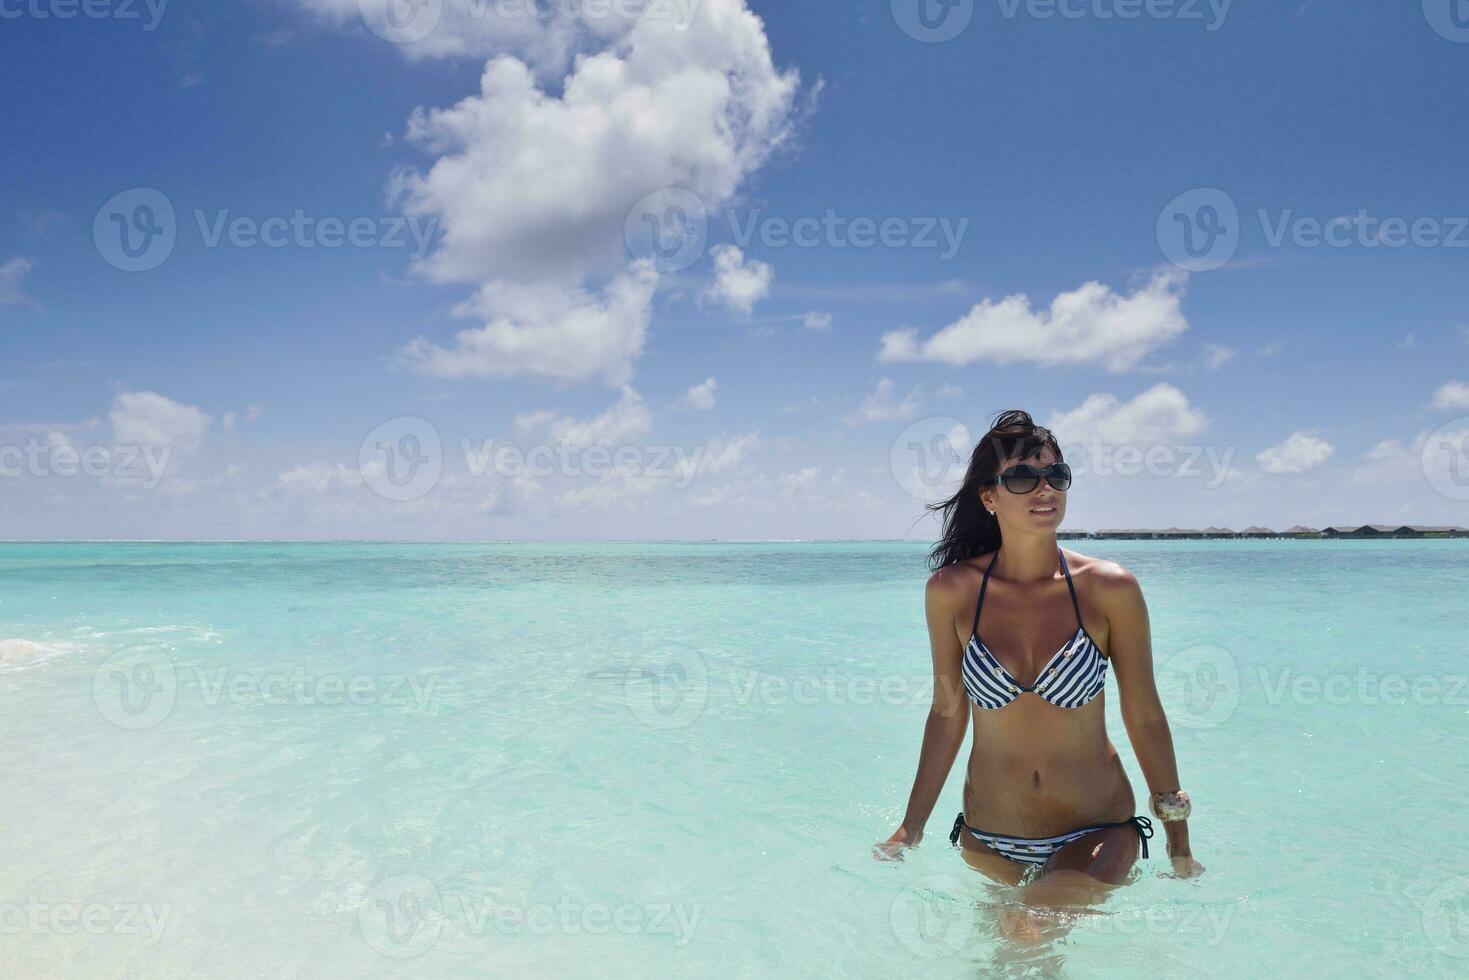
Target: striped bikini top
1074 675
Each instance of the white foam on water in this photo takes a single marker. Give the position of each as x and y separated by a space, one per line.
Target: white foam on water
23 653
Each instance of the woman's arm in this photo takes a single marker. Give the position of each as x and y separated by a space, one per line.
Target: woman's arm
1130 647
948 713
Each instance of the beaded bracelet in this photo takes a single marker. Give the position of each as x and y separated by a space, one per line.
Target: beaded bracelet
1169 807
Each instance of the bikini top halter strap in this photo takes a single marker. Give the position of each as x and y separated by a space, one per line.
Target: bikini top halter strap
1074 604
985 582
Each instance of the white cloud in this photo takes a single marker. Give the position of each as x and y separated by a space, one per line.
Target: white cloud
1160 415
532 186
1217 355
145 418
531 189
547 332
882 406
1386 462
612 490
12 275
1453 394
817 321
627 419
1390 462
318 478
722 455
526 421
1091 324
800 480
1300 452
476 28
701 396
738 284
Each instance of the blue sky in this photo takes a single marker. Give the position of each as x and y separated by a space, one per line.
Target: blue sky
309 391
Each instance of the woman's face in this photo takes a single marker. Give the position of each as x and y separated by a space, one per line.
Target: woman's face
1040 510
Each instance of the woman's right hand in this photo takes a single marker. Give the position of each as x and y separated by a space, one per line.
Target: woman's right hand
892 848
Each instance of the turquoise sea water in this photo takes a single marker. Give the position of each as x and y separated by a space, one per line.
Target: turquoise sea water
354 760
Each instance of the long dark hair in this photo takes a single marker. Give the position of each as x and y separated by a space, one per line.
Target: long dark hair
970 529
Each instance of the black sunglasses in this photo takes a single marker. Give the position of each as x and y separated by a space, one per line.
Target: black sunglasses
1024 477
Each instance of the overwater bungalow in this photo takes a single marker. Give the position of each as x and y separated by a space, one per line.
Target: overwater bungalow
1360 531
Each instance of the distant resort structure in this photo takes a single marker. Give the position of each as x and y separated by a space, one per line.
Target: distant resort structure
1361 531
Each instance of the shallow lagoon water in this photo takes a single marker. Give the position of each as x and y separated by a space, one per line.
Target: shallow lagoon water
362 760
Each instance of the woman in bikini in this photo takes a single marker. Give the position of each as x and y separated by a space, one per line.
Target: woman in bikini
1022 635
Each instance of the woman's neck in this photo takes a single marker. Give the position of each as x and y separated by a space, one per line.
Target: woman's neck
1028 558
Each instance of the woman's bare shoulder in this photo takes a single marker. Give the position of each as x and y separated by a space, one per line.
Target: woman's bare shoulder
1102 577
957 581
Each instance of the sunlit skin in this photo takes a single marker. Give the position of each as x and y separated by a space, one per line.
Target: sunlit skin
1037 770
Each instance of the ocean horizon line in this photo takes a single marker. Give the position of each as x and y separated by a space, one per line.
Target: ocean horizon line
1143 534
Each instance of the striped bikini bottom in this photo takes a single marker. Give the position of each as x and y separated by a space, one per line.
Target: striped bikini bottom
1037 850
